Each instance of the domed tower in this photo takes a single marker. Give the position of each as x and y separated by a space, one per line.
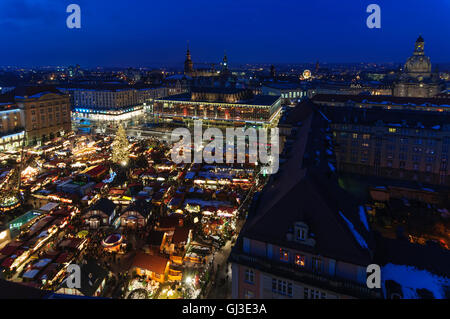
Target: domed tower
418 65
188 64
417 79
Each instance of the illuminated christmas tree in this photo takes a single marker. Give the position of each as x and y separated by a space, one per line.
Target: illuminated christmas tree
120 147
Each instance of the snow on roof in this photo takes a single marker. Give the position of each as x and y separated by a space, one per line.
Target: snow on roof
357 236
331 166
411 279
48 207
323 115
362 216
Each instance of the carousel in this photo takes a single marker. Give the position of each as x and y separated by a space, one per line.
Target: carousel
8 203
113 242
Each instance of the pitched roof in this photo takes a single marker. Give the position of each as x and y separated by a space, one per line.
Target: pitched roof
92 275
141 206
180 235
398 100
319 202
423 257
12 290
313 197
28 92
104 205
154 263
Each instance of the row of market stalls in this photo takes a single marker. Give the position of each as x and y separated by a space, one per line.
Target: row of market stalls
105 212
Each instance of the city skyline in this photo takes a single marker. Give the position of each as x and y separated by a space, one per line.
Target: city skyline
156 34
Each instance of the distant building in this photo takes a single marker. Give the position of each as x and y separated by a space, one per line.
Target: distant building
397 138
190 71
111 102
12 126
45 111
417 79
349 88
220 105
291 93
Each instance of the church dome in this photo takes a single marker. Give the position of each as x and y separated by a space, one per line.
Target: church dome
418 64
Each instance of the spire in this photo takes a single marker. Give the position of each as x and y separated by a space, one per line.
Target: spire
419 46
188 64
225 60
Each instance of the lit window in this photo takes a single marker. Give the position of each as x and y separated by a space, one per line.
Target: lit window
284 255
249 294
300 260
249 276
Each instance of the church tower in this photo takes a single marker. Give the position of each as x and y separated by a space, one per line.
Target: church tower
225 63
225 72
188 64
417 78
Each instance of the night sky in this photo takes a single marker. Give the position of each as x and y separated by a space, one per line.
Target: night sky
149 32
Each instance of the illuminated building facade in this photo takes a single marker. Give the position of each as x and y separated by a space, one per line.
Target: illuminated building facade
111 102
417 79
291 93
12 129
220 105
406 139
45 113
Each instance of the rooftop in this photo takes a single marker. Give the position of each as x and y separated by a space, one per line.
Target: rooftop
264 100
383 99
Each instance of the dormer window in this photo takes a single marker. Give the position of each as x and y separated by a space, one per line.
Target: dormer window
301 234
301 231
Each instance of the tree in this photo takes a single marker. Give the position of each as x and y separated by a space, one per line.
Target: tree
120 147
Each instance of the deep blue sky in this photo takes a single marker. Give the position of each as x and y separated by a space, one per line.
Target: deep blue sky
145 32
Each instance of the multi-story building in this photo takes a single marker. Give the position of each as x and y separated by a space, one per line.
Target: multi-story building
220 105
111 102
12 129
390 137
305 237
417 79
45 110
291 93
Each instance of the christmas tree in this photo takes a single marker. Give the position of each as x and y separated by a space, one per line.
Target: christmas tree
120 147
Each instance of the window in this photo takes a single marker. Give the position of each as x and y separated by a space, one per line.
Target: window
314 294
392 130
284 255
249 276
317 264
300 233
249 294
300 260
282 287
